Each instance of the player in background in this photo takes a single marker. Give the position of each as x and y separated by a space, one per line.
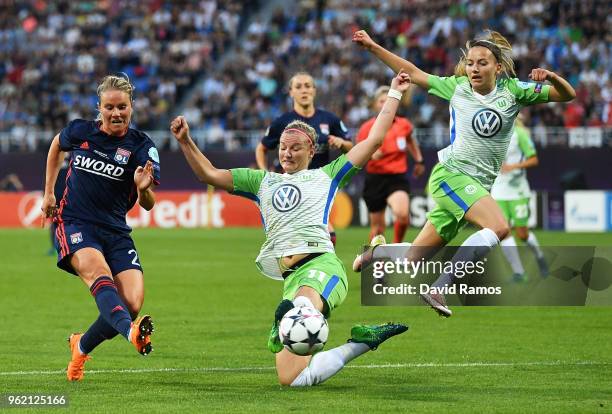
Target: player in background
331 131
512 193
386 181
485 98
111 167
295 208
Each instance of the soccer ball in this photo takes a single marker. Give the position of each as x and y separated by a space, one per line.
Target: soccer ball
303 330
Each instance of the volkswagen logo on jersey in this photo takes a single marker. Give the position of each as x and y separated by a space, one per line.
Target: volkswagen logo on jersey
122 156
286 198
486 123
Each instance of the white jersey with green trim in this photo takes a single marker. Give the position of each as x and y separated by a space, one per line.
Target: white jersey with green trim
481 125
514 185
295 209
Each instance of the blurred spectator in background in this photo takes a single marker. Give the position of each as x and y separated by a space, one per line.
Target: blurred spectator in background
11 183
52 52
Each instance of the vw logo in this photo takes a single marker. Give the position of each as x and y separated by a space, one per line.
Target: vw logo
286 198
486 123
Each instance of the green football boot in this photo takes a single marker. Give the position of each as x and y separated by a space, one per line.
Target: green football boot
274 342
374 335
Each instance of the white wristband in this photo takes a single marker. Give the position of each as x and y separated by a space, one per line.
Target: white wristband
394 93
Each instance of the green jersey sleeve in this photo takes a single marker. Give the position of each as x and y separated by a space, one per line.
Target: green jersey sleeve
340 170
444 87
525 142
528 93
247 182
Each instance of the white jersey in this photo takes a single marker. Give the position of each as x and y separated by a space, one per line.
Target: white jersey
513 185
481 126
295 209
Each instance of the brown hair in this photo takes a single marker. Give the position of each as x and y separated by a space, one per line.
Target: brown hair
498 45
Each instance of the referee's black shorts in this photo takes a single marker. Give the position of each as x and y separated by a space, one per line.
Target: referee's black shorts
378 187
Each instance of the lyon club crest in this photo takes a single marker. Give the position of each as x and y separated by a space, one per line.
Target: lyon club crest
122 156
76 238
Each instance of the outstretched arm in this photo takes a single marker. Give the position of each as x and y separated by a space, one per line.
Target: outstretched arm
200 165
417 76
560 90
361 153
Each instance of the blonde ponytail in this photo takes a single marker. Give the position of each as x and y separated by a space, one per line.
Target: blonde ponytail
498 45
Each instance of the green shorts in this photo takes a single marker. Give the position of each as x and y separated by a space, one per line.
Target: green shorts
516 212
325 274
454 194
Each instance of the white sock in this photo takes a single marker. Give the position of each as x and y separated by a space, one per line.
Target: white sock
473 248
511 252
534 245
302 301
326 364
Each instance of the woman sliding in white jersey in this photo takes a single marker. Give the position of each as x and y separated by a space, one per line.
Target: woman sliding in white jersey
295 209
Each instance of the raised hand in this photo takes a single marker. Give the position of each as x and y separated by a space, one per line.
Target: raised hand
363 39
143 176
540 75
180 128
401 82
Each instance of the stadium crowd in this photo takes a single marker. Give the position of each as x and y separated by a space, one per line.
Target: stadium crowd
53 52
566 36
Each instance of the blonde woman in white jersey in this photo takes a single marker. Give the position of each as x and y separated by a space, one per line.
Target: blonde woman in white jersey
484 99
298 250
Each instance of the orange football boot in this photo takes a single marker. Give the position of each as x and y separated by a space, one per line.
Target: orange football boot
140 334
74 372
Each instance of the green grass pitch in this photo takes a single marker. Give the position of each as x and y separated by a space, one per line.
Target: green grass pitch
212 312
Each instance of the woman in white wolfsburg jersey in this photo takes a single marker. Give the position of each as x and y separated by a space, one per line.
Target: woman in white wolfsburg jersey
483 105
295 209
512 193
